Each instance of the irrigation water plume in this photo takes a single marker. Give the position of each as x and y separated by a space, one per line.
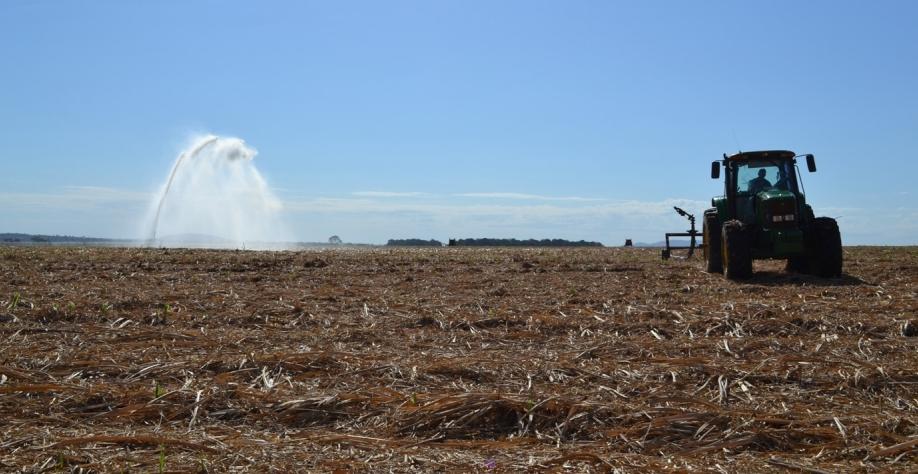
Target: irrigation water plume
178 163
215 197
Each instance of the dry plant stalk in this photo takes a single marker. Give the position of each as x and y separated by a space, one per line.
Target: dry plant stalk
452 360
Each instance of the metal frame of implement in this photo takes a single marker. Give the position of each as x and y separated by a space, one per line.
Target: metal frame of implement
691 233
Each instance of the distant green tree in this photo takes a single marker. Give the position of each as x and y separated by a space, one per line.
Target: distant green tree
413 243
486 242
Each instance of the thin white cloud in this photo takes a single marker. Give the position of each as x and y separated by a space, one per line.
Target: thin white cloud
453 209
527 197
388 194
376 220
106 193
377 215
71 198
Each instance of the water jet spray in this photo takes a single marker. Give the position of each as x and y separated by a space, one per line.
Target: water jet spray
178 163
215 197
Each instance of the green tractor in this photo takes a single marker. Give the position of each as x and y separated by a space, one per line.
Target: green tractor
763 214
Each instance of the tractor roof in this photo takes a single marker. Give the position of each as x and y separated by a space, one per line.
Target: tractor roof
754 155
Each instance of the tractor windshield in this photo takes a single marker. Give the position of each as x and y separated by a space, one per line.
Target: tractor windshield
754 176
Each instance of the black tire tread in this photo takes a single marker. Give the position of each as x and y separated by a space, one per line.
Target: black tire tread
736 252
825 248
711 242
797 264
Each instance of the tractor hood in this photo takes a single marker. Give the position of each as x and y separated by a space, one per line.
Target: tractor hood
776 209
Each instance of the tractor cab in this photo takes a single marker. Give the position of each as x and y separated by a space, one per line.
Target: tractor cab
750 177
762 187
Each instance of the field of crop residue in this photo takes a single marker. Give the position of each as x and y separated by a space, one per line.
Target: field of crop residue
456 360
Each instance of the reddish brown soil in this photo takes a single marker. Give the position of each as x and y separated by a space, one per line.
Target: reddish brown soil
486 360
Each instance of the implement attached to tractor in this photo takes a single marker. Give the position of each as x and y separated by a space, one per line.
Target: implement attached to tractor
691 233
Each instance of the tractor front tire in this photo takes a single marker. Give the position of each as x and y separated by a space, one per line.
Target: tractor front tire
736 252
797 264
825 248
711 242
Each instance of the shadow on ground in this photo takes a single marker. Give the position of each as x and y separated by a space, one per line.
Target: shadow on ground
777 278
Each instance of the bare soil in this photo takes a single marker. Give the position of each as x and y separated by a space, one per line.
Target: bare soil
457 360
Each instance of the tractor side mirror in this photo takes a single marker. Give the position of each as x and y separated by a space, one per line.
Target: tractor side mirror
715 169
811 163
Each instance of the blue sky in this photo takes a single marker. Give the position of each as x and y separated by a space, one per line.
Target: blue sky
375 120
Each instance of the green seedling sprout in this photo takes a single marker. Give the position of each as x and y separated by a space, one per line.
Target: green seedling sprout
14 301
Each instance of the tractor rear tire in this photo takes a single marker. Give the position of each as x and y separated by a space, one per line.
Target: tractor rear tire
825 248
736 251
711 243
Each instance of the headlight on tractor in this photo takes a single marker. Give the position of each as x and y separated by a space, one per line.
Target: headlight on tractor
784 218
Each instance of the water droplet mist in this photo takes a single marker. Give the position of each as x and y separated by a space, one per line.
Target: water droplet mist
214 196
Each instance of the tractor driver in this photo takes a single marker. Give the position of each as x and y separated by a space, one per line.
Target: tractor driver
759 184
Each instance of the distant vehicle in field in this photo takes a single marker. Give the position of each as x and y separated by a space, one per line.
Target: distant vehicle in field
763 214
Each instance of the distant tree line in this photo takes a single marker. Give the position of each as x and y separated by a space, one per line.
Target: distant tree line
521 243
12 237
413 243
